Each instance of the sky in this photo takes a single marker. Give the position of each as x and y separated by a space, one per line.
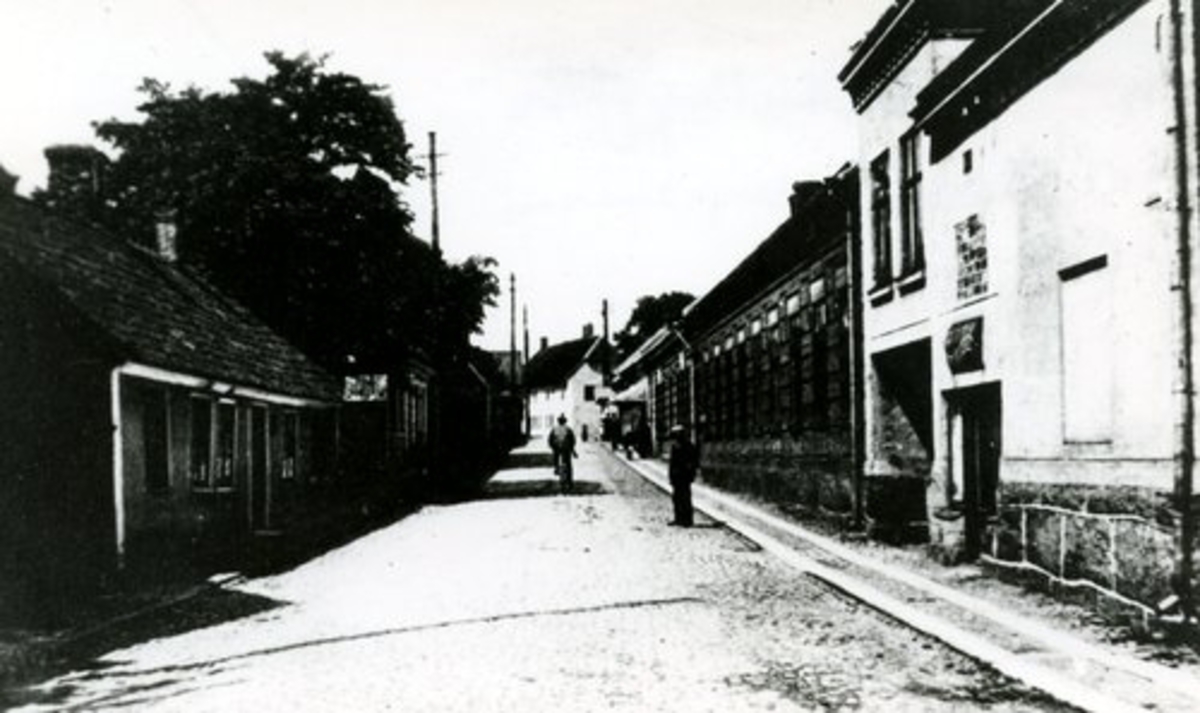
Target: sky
599 149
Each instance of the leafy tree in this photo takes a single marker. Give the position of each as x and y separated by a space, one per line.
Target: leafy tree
286 191
650 314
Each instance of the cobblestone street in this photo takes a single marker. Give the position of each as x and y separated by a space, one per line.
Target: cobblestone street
528 600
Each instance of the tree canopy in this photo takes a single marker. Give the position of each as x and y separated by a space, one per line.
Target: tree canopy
286 191
650 314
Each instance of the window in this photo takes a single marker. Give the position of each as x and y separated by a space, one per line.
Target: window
288 464
881 221
201 442
1087 354
912 246
223 468
589 392
793 305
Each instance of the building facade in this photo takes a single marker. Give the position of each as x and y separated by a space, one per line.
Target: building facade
149 421
773 361
1028 168
567 379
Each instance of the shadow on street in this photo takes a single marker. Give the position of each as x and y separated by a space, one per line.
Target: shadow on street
212 606
537 488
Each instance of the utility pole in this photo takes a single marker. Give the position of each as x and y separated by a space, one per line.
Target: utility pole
525 401
512 344
433 176
607 347
525 322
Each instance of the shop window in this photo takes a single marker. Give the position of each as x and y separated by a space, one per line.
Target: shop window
201 445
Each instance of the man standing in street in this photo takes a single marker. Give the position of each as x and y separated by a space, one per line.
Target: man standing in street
562 446
684 462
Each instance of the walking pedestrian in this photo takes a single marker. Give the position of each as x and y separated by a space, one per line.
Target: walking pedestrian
562 446
684 462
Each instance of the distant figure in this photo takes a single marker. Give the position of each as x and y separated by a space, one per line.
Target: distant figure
685 461
636 439
641 438
562 446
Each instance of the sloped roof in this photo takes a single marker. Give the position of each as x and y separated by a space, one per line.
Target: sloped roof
156 313
552 367
801 239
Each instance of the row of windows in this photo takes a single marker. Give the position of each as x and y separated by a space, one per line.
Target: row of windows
216 431
784 369
791 379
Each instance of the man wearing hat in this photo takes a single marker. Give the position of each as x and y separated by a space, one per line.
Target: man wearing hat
684 462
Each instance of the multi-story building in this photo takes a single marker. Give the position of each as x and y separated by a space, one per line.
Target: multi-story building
1028 203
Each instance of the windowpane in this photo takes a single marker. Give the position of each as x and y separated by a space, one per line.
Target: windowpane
881 220
223 475
201 442
912 245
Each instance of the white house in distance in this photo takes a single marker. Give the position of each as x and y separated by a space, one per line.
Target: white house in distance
568 379
1028 211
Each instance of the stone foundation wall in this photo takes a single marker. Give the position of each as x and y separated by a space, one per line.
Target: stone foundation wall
1115 545
811 473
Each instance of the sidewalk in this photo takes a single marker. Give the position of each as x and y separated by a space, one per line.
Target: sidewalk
1059 648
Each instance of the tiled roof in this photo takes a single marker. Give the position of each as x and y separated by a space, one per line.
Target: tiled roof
554 365
795 243
159 314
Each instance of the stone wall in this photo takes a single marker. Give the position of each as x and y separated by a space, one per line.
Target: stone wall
1114 546
810 473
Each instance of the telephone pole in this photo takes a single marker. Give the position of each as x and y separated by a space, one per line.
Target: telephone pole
512 313
433 189
607 347
525 394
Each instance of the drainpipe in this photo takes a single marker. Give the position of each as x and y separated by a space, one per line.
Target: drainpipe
1185 380
858 446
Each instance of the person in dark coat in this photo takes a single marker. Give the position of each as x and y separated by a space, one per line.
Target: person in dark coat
684 462
562 445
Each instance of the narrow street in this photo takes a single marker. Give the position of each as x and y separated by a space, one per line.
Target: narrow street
528 601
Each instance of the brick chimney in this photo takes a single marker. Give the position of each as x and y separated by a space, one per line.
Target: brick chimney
588 331
76 181
802 193
8 183
545 344
165 232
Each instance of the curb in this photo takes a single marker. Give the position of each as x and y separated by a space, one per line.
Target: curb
1060 687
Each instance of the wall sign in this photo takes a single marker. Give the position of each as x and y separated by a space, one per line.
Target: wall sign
964 346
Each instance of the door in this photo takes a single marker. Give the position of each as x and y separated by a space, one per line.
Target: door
260 483
977 447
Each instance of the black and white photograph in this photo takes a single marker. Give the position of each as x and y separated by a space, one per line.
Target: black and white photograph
635 355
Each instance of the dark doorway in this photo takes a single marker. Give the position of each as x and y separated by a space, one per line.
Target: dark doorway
975 435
